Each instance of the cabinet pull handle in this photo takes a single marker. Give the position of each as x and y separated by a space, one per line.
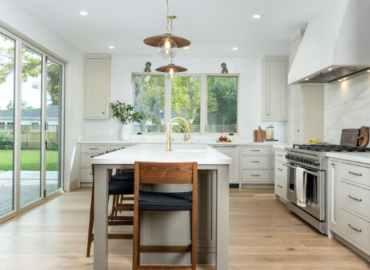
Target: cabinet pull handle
333 164
353 228
280 186
353 198
255 150
94 148
102 112
358 174
280 169
280 155
255 161
90 173
255 175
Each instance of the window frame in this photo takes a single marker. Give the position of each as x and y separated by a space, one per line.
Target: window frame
203 99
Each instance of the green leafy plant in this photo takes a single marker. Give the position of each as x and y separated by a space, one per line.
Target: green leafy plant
125 113
6 141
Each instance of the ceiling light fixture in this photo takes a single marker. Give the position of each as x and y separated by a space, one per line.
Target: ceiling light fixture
257 16
330 69
368 70
111 47
235 48
167 43
186 48
306 79
84 13
171 69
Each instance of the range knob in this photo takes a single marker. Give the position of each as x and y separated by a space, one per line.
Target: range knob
316 163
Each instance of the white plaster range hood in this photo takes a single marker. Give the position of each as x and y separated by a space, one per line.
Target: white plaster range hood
336 44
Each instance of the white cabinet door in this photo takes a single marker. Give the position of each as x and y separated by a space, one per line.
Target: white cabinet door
231 152
275 88
97 87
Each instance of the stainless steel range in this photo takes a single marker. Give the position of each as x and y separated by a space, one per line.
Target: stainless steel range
312 158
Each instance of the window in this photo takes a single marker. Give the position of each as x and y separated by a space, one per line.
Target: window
149 100
222 104
207 102
35 126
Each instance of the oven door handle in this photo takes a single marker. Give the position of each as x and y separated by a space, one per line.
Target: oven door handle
310 172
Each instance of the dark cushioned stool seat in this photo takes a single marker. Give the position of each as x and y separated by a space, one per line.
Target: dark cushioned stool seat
127 174
161 201
121 187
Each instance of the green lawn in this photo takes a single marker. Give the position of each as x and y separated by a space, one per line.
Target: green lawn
30 160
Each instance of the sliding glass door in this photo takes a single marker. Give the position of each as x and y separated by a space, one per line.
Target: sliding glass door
7 92
31 130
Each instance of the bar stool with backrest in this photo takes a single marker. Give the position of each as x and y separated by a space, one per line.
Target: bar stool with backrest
116 188
165 173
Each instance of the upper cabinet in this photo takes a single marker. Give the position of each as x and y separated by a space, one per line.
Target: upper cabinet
97 86
275 88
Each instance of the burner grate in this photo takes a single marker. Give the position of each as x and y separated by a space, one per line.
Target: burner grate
331 148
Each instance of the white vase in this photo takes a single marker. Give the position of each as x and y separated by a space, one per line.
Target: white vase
125 132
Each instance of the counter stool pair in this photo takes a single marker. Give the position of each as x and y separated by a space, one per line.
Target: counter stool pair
153 173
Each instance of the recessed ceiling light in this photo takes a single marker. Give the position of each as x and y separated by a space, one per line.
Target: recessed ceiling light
84 13
368 70
330 69
186 48
235 48
257 16
111 47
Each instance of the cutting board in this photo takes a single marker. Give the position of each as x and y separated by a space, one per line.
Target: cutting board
364 136
259 135
350 137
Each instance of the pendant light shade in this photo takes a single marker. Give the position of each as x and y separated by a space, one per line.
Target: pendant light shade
171 70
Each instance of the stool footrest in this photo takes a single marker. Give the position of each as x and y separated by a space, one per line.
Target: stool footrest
124 207
120 236
172 267
121 223
129 218
174 249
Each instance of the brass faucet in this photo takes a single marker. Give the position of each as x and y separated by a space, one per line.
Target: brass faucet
168 130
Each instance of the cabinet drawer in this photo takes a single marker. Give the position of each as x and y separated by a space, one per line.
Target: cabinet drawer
355 199
281 188
96 149
357 229
357 174
85 161
281 171
280 156
255 176
86 175
255 162
255 151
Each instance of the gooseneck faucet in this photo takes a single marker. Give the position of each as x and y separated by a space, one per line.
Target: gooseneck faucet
168 130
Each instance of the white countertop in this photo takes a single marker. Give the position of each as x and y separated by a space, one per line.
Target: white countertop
202 154
282 146
233 143
350 156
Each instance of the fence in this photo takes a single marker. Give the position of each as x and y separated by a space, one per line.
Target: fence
31 136
194 128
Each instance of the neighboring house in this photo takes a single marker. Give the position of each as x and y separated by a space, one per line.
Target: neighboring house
31 118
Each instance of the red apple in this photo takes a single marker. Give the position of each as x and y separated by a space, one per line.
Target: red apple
221 139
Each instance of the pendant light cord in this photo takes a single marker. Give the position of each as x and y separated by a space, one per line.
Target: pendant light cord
168 19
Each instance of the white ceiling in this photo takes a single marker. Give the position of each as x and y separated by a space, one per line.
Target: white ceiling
213 26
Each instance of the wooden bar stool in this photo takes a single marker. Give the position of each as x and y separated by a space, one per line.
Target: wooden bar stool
115 188
165 173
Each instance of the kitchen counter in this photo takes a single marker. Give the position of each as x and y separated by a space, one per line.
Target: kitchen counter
281 146
170 228
355 157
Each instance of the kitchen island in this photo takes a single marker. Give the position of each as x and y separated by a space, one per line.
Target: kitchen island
171 228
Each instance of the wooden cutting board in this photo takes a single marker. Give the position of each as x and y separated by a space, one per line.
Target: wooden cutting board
349 137
259 135
364 136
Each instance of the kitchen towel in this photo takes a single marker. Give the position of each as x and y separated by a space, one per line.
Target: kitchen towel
301 185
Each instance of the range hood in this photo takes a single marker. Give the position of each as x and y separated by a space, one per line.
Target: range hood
336 44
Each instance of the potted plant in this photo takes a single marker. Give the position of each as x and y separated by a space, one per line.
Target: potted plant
126 115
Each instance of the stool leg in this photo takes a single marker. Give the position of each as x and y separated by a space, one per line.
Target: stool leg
135 240
91 224
138 237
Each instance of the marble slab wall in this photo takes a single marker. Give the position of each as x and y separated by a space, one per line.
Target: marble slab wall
347 105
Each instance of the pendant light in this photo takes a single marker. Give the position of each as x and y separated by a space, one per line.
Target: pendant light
167 43
171 69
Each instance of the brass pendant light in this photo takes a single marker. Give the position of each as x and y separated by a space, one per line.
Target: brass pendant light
171 69
167 43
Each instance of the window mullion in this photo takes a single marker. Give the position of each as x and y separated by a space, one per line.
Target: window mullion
203 105
167 100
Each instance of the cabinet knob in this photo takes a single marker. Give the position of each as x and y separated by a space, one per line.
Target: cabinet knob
298 130
102 112
333 164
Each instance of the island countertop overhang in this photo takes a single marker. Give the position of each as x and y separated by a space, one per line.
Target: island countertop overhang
202 154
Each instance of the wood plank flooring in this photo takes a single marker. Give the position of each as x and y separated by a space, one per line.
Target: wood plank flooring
264 235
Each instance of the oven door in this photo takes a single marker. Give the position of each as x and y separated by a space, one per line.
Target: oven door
315 191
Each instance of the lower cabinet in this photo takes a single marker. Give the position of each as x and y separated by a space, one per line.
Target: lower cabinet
281 174
231 152
349 203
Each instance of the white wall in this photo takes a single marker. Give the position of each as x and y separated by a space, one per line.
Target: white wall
347 105
249 95
19 18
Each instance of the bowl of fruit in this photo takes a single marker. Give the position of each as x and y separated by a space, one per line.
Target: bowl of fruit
224 139
313 141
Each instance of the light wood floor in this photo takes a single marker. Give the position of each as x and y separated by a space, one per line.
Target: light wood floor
264 235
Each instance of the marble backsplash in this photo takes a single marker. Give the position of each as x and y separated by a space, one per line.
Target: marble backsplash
347 105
